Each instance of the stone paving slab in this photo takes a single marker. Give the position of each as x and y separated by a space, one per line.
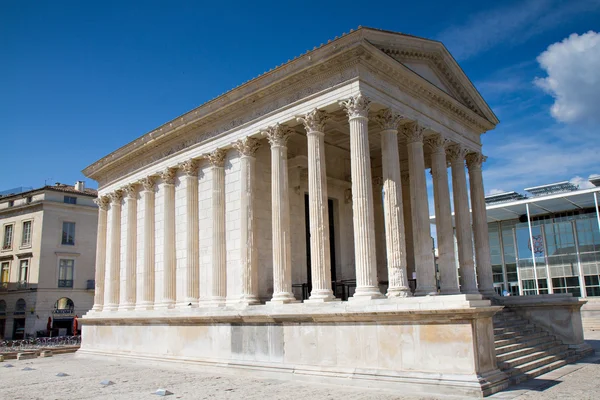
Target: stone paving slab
138 380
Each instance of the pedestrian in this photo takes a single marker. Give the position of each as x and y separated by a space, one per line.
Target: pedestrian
75 326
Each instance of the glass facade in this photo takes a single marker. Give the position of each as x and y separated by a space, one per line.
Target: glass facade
561 254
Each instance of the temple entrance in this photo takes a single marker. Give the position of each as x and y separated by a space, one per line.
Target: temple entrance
306 293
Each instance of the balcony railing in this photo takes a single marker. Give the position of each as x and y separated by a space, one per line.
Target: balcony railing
65 283
91 284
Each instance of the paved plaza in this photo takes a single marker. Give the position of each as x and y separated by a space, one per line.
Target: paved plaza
138 380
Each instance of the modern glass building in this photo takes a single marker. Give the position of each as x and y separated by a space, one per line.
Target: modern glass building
547 241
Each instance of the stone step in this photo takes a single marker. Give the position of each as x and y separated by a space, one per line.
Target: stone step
522 338
501 350
535 355
534 364
510 322
509 333
523 350
537 371
502 329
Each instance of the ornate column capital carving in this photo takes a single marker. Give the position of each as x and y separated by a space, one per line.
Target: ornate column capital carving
475 160
314 121
190 167
247 147
356 106
168 175
148 183
116 197
130 191
388 120
413 132
102 202
277 134
438 143
217 158
456 153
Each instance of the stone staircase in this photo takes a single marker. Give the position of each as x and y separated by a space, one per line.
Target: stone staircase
524 350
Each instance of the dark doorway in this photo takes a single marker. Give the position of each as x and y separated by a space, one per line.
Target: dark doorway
331 242
18 329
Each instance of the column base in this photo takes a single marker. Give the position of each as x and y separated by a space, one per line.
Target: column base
283 298
97 308
402 291
316 300
469 291
449 291
489 293
126 307
321 296
426 291
110 307
165 304
213 302
144 306
244 301
366 293
193 303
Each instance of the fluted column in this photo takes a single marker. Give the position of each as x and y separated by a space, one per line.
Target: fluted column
367 285
131 192
247 148
480 227
320 261
424 262
218 281
408 234
392 205
114 271
192 281
282 256
102 203
148 287
443 216
464 237
169 259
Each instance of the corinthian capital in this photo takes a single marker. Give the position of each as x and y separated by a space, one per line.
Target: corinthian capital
314 121
387 119
217 158
356 106
413 132
437 143
102 202
247 146
475 160
116 197
190 167
148 183
130 191
456 153
277 135
168 175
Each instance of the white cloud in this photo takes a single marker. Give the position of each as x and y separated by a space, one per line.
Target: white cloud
580 182
510 24
495 191
573 68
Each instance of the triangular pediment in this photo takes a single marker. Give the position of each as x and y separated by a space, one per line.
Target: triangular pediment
430 60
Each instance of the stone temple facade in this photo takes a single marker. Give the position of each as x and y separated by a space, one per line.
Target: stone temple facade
308 183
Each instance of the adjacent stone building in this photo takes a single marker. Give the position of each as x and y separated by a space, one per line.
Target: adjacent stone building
47 258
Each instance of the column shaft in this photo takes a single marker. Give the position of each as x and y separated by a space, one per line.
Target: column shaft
282 256
192 282
102 203
408 234
443 217
423 246
468 282
480 227
115 252
248 252
218 287
148 287
320 257
169 259
131 248
392 206
367 285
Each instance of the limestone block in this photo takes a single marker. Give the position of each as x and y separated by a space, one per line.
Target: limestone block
26 356
46 353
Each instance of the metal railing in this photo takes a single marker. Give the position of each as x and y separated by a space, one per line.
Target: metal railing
9 346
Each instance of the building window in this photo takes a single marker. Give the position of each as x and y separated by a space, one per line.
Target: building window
29 198
592 285
26 240
11 203
5 274
70 200
23 273
8 236
567 284
65 273
68 233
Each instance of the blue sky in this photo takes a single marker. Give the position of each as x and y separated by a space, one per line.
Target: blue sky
80 79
